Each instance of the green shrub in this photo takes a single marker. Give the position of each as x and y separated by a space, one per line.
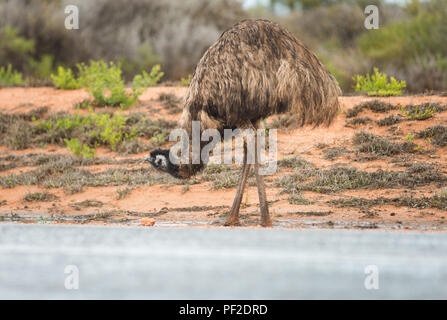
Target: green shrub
14 48
115 131
80 149
106 85
64 79
42 68
8 77
186 81
144 80
422 112
377 84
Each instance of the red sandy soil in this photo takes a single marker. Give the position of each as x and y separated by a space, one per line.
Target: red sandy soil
171 205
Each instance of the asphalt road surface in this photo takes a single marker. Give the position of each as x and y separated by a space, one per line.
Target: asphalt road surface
73 262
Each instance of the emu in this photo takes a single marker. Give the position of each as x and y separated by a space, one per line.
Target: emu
254 70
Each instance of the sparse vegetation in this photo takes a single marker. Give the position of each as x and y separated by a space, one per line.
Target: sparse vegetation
186 81
334 152
105 84
170 102
437 135
64 79
60 173
358 121
39 196
371 143
18 135
80 150
422 112
390 120
121 193
348 178
375 106
294 162
8 77
377 84
221 176
436 201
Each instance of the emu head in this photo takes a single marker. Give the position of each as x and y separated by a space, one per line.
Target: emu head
159 159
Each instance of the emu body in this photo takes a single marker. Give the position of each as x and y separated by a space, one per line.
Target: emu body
254 70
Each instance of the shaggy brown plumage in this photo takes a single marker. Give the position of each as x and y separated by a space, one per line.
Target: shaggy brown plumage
254 70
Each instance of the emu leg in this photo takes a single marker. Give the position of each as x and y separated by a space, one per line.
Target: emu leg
233 216
263 206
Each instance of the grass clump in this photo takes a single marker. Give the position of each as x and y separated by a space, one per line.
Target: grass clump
436 134
297 198
294 162
358 121
39 197
221 176
375 106
390 120
334 153
377 84
419 112
19 135
170 102
121 193
374 144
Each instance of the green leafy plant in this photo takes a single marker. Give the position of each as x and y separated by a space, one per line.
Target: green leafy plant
377 84
8 77
148 79
418 112
186 81
64 79
79 149
105 83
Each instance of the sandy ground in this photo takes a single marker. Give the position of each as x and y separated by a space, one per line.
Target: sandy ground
200 205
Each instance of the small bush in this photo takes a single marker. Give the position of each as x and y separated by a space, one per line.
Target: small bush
39 196
18 135
371 143
80 150
375 106
106 85
115 131
422 112
8 77
389 121
437 135
186 81
378 84
64 79
358 121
